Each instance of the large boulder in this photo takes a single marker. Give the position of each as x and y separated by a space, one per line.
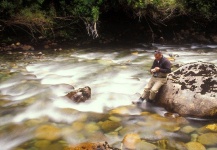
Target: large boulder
191 90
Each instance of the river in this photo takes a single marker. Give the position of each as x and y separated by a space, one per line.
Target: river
34 115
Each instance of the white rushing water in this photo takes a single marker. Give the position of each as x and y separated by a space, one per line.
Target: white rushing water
115 78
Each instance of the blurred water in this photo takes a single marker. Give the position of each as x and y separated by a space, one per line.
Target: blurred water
116 77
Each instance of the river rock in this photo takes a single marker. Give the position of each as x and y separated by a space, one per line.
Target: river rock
191 90
188 129
146 145
131 141
208 139
91 128
80 95
208 128
195 146
48 132
78 126
42 144
108 125
91 146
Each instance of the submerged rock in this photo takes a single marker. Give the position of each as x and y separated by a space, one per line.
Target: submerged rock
108 125
48 132
131 141
208 139
191 90
208 128
91 146
195 146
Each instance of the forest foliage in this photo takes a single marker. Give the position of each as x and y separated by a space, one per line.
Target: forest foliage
62 18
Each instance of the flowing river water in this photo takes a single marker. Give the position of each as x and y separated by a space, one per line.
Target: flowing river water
35 115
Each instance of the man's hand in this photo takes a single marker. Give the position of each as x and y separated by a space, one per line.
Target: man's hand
153 70
157 69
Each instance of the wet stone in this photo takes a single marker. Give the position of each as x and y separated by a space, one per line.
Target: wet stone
78 126
128 129
91 146
98 137
54 146
208 139
33 122
176 145
108 126
114 118
195 146
208 128
131 141
212 148
194 137
146 145
212 127
42 144
91 128
47 132
122 110
187 129
3 102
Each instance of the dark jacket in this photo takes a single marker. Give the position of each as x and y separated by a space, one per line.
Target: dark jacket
164 65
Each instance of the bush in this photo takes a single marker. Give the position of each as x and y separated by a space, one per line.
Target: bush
43 16
206 9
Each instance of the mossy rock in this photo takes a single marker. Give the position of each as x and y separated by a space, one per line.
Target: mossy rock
108 125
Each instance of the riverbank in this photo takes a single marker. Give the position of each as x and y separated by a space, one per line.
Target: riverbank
119 30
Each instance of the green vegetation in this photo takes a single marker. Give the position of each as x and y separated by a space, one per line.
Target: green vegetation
62 18
201 8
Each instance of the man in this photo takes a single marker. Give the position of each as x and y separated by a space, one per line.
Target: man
159 70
